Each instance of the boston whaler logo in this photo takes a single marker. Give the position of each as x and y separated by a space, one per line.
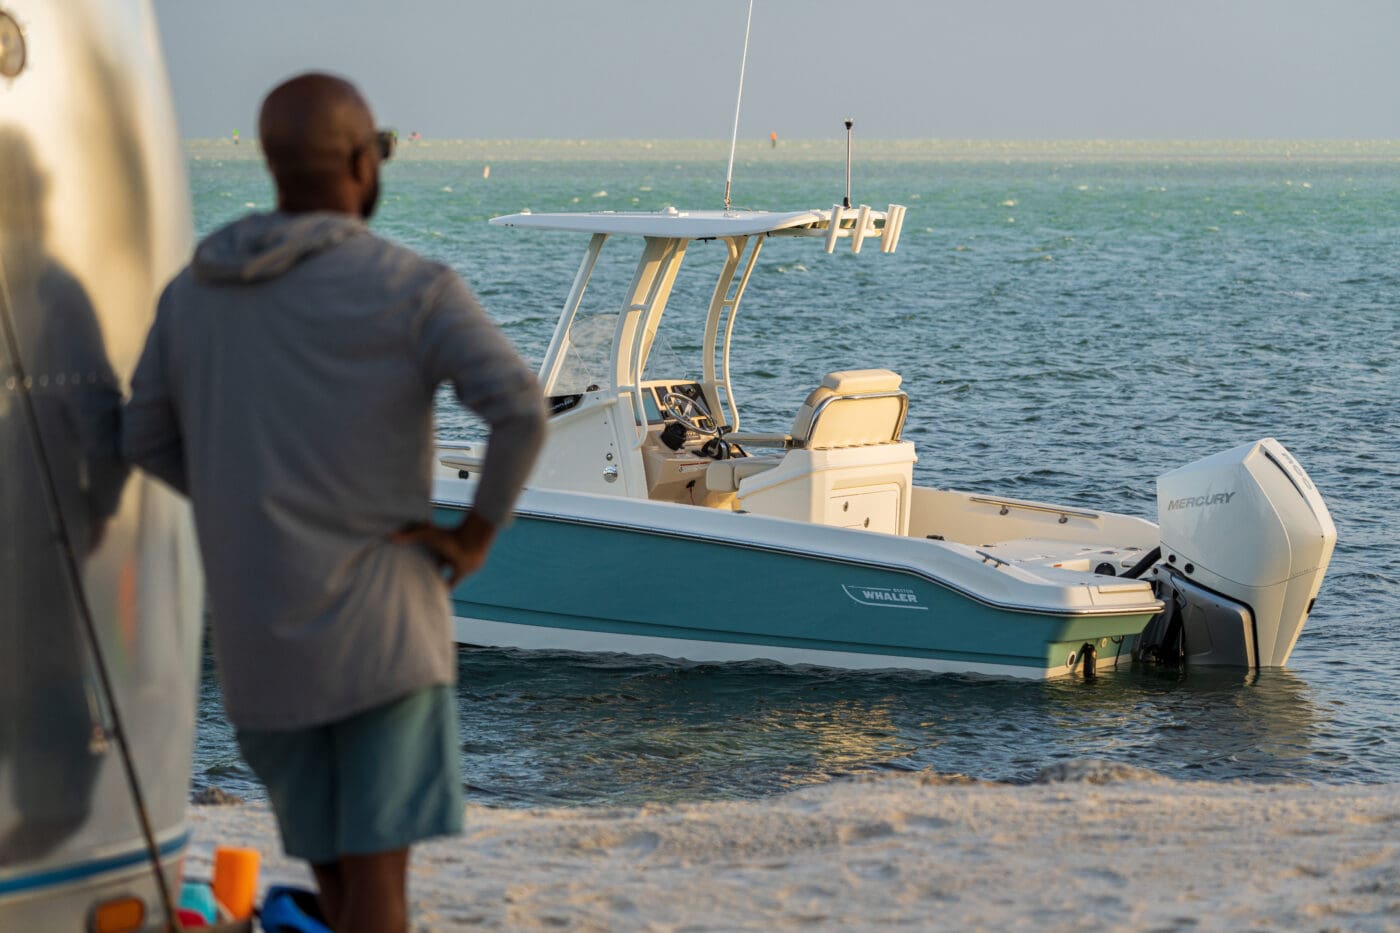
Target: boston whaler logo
1195 502
888 597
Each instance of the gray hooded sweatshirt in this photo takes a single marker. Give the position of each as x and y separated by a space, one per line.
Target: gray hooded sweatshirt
287 388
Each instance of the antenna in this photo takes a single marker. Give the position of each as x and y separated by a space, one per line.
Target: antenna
734 140
846 202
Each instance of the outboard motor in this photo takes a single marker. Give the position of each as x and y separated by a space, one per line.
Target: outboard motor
1246 539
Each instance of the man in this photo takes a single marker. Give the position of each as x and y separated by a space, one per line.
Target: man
287 388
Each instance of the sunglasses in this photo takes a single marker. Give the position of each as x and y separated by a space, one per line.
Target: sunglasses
384 141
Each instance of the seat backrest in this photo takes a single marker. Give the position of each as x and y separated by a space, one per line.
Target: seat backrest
852 408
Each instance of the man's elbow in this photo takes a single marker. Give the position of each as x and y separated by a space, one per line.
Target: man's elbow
537 415
529 426
523 410
523 426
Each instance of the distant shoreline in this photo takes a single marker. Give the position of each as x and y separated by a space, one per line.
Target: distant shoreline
866 150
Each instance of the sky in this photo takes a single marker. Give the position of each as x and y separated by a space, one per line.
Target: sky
902 69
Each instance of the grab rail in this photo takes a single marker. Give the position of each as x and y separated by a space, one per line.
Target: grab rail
1007 505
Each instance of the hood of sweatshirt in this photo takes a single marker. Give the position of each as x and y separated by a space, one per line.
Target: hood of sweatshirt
263 246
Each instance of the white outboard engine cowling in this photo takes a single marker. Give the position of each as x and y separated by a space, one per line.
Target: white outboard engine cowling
1246 539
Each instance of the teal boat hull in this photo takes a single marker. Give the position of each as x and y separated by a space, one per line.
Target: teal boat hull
557 582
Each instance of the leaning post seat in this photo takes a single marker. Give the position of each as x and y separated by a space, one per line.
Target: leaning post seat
850 408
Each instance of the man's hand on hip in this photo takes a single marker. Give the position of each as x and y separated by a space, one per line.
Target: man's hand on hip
459 551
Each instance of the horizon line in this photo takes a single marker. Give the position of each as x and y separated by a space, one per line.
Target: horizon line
760 141
1317 150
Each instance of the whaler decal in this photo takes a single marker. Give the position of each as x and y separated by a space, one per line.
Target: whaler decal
888 597
1192 502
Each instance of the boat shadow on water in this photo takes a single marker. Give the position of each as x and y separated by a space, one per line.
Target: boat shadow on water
559 728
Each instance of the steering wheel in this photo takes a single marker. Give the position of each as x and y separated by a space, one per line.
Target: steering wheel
688 411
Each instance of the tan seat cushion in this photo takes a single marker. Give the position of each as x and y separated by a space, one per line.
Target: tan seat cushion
861 381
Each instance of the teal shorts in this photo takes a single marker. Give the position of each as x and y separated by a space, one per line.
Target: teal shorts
375 782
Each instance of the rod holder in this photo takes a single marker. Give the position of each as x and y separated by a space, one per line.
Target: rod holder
833 229
862 225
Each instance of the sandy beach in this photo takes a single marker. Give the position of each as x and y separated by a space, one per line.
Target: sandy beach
1087 846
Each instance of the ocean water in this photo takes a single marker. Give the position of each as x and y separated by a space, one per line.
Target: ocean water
1070 322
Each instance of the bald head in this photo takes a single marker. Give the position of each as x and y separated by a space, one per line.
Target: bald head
318 137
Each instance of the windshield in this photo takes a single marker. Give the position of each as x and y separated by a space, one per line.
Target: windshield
586 364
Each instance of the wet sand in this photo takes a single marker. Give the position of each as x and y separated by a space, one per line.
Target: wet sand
1088 846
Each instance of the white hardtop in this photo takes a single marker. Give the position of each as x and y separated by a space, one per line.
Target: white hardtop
672 223
668 222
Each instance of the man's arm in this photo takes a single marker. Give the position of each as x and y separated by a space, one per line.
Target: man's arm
456 341
151 436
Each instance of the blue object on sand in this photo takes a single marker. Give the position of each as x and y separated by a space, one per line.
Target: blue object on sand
287 909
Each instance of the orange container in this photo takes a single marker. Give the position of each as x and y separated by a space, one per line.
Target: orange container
236 880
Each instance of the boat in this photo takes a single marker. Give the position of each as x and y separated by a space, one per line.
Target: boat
809 543
100 584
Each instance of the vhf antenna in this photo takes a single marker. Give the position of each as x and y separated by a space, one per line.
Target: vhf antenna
734 140
846 201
